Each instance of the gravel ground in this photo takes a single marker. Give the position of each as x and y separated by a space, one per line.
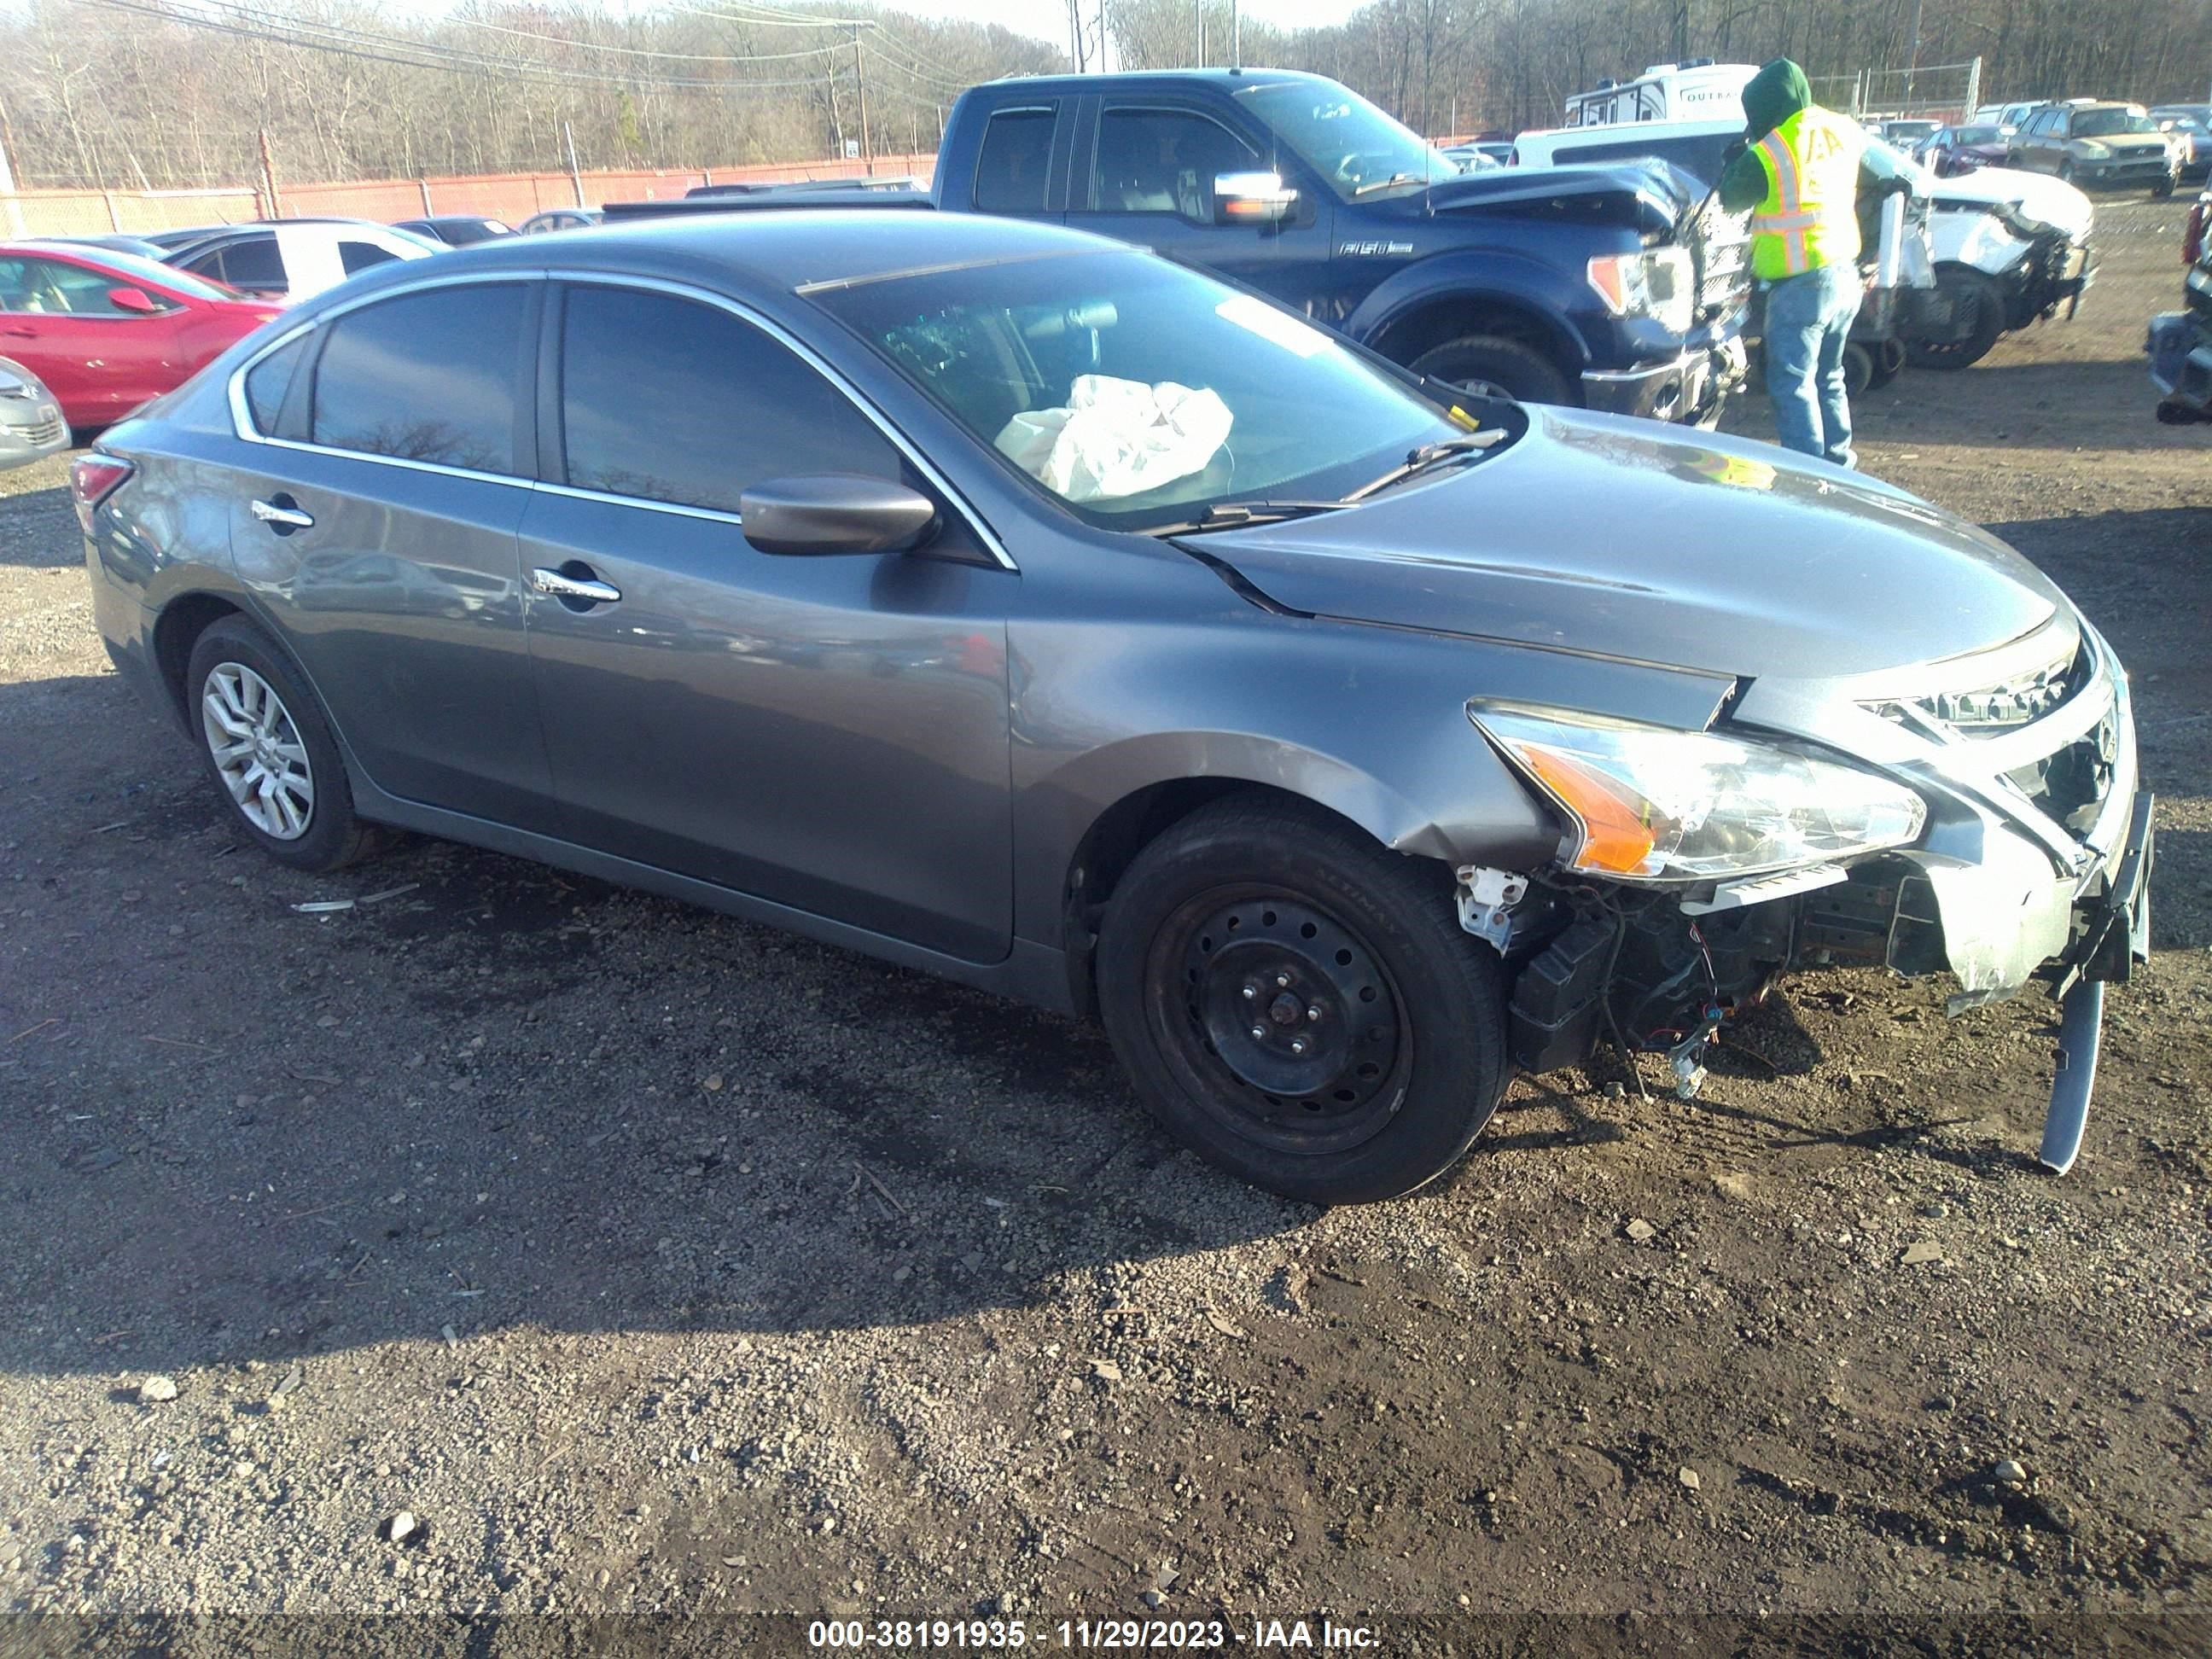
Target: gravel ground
651 1260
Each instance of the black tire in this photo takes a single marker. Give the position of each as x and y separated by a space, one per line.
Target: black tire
1325 924
2162 189
2066 172
1978 313
331 836
1490 363
1858 369
1888 362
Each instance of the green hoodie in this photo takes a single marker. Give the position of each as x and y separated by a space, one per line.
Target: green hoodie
1770 97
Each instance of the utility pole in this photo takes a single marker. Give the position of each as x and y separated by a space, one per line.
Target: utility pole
1197 12
575 172
860 75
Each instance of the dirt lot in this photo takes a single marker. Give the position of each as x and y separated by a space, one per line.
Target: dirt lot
658 1262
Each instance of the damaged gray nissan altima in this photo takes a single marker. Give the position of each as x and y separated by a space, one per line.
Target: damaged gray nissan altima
1015 605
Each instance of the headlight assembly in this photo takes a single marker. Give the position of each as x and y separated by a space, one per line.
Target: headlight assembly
1660 284
1649 803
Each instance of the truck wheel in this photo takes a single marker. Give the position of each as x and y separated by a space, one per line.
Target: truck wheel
1858 369
1888 362
1300 1006
2162 189
1978 316
1490 365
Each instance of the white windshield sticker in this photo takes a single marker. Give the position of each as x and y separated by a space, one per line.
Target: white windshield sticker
1277 327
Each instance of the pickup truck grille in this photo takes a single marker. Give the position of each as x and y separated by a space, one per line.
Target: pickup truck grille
1720 244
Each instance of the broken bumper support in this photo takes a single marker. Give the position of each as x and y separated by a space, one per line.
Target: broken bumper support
2116 937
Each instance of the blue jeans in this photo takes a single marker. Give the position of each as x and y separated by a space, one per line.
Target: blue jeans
1808 320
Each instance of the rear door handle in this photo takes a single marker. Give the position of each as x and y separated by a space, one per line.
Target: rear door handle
584 590
282 515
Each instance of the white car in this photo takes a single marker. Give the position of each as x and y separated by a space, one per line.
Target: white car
291 258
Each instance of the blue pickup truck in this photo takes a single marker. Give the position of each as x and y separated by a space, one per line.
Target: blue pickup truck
1603 285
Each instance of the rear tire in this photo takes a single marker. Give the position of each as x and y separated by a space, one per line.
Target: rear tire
2162 189
1381 1052
1888 362
1490 365
1979 318
272 756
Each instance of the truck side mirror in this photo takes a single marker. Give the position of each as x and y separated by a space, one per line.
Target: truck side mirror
1252 198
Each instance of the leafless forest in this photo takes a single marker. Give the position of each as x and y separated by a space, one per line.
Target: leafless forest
159 94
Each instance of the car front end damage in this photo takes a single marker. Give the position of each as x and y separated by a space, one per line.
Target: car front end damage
1981 817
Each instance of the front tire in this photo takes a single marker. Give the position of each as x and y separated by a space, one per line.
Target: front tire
1300 1006
270 751
1492 366
1977 312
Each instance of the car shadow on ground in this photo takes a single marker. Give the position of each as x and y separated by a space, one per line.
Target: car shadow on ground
491 1095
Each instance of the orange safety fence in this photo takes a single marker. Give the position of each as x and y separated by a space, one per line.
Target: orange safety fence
513 196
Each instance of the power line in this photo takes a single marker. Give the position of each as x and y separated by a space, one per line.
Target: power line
926 80
640 52
426 56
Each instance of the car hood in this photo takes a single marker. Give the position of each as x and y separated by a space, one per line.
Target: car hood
2037 196
1622 538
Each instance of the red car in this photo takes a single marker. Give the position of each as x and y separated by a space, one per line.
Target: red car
107 331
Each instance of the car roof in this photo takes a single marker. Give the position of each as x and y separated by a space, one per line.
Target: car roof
1233 80
778 251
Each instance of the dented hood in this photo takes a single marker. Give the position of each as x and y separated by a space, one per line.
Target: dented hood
1652 192
1629 539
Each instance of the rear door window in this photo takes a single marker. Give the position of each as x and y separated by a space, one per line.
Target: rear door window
431 376
254 263
1016 156
670 400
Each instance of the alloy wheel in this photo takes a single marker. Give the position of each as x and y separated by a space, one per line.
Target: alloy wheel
257 751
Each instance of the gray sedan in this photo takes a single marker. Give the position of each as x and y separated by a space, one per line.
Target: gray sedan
1007 603
31 424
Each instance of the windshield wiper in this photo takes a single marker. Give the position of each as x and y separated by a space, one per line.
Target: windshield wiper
1392 182
1426 456
1234 515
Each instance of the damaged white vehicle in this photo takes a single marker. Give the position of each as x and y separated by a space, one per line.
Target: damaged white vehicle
2012 248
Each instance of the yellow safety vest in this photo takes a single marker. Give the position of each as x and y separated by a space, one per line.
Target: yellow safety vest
1810 216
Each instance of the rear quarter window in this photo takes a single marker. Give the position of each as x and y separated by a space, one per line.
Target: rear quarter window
269 381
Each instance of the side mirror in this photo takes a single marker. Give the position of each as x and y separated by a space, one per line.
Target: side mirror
135 300
1252 198
834 512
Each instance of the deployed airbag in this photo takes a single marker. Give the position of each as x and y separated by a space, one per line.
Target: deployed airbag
1116 438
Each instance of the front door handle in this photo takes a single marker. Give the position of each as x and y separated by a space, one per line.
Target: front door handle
282 515
583 590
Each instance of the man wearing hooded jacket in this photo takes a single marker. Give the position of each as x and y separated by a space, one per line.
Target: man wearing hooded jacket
1800 178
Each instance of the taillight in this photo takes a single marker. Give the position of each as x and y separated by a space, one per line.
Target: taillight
93 479
2192 238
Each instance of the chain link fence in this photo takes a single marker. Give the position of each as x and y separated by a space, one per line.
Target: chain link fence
1931 91
513 196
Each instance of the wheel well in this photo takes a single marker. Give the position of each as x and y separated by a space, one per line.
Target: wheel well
1114 838
181 623
1406 337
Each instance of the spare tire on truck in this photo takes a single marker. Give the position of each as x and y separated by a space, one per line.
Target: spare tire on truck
1959 324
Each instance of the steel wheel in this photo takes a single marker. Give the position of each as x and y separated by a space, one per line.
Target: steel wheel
1285 1015
258 751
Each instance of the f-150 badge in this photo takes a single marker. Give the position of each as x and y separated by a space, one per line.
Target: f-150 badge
1354 250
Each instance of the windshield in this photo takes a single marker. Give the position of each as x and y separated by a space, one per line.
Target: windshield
1136 391
1358 151
1977 135
2108 122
